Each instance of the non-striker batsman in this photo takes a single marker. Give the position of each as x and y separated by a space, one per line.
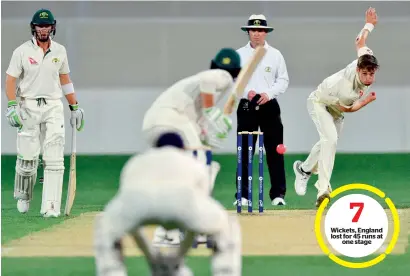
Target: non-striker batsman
37 78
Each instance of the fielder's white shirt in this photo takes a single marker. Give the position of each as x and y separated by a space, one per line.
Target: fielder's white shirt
271 75
165 168
38 73
185 97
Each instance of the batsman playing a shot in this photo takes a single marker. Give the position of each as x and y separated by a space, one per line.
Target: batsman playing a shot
38 75
166 171
344 91
188 108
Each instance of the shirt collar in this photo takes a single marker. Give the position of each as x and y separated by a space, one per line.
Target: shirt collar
266 46
359 84
34 41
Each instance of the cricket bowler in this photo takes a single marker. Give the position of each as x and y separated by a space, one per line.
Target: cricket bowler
344 91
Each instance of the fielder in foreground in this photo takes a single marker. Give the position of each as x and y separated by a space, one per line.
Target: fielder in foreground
189 108
344 91
166 171
38 75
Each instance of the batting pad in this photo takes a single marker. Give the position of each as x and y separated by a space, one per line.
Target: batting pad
53 177
25 179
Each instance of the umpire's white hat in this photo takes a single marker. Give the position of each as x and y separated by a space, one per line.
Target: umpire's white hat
257 21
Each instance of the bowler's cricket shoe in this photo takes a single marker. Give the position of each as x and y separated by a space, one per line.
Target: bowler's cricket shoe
321 198
301 179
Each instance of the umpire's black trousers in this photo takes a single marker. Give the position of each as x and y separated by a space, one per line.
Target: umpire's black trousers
267 118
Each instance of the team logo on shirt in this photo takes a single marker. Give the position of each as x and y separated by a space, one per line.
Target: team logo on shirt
32 60
268 69
55 60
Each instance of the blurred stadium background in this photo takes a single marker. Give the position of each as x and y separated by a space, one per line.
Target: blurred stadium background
123 55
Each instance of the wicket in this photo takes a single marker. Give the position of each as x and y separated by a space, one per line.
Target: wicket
250 171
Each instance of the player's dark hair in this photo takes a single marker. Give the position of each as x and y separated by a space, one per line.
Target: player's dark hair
368 62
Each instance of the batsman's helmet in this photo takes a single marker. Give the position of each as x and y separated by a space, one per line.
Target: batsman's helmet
43 17
229 60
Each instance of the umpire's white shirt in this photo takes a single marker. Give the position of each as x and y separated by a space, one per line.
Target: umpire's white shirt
271 75
38 74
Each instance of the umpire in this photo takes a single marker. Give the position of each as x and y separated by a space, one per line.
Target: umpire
259 108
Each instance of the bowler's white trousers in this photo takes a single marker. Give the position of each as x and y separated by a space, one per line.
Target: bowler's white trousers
322 156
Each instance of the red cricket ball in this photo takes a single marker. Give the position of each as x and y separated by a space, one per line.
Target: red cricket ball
281 148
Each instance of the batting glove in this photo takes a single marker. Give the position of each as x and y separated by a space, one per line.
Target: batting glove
219 123
12 115
215 127
77 117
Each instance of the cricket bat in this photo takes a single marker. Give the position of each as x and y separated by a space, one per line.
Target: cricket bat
72 182
243 78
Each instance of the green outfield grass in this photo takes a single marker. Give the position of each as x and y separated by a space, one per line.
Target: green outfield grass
97 182
260 266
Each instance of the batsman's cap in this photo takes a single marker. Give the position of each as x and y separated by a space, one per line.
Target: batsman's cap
257 21
170 139
227 59
43 17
